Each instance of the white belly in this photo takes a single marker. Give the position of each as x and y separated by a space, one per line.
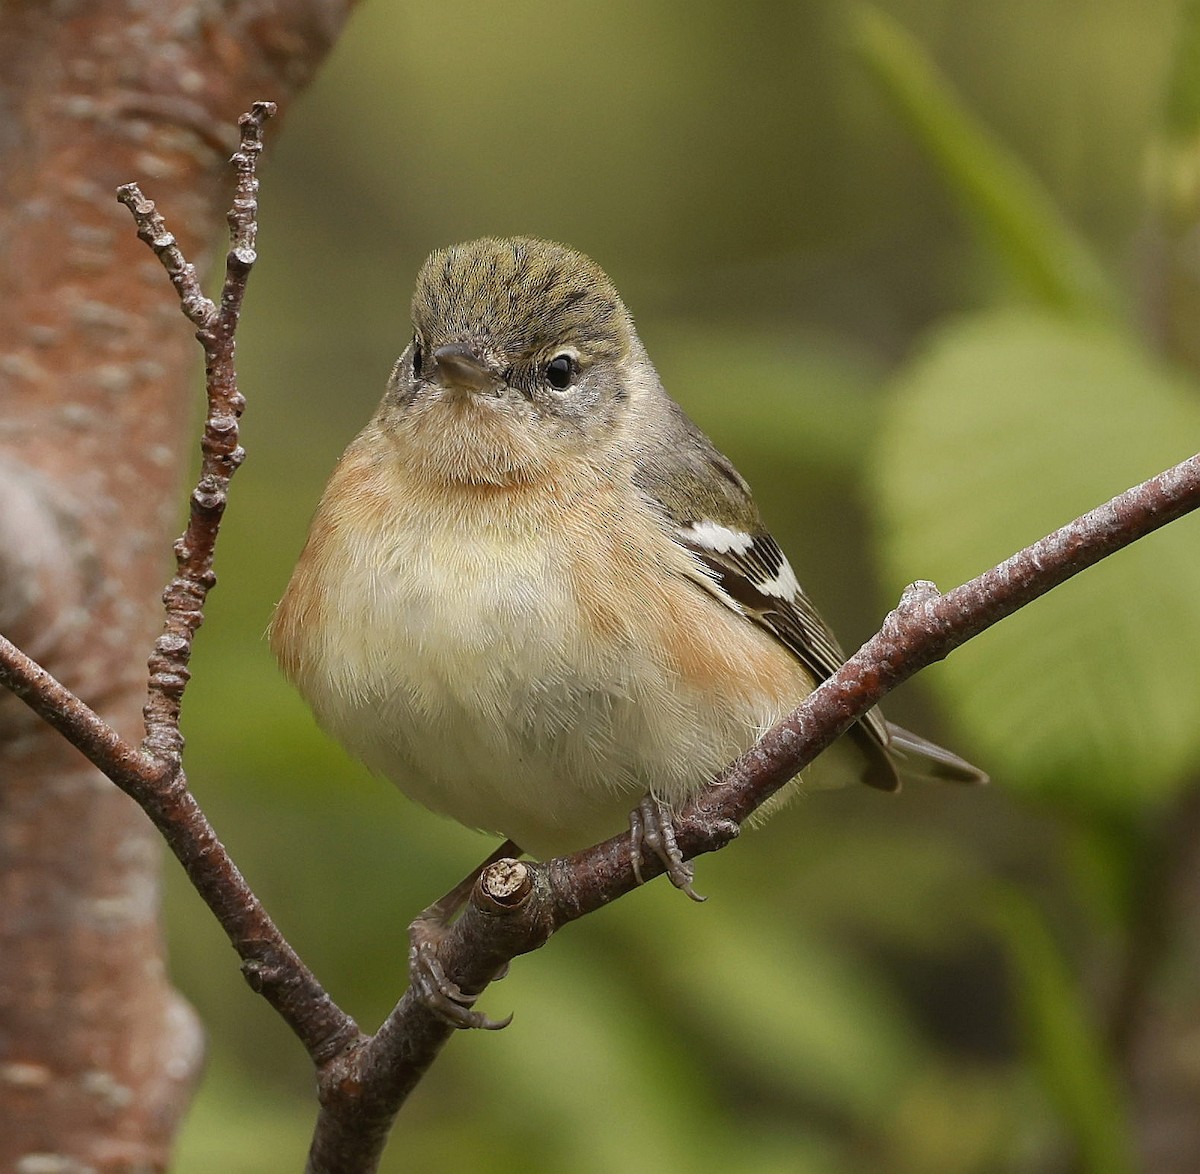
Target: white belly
460 668
508 681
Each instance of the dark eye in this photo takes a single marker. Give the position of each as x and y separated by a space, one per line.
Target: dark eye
560 371
417 356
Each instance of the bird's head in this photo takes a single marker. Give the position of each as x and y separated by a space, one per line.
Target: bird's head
523 357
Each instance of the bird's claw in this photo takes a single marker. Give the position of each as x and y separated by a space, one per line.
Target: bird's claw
651 827
431 987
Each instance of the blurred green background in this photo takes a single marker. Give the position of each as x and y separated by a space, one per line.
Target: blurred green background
926 272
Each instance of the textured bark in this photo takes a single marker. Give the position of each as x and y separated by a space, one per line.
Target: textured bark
97 1053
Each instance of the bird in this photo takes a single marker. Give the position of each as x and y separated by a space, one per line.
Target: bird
534 591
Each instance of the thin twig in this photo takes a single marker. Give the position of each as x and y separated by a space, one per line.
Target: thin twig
216 329
152 230
270 964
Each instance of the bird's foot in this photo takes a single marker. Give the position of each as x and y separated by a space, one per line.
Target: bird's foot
651 826
430 985
427 977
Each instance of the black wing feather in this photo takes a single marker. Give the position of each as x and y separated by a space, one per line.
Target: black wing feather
792 620
699 489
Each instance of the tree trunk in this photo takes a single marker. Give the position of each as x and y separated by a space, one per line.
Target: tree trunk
98 1054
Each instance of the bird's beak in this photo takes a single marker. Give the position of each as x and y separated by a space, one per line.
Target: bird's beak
459 368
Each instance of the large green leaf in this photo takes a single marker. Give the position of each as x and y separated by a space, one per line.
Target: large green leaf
1008 426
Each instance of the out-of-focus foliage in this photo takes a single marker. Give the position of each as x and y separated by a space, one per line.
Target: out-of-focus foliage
1098 694
790 234
1065 1044
1026 228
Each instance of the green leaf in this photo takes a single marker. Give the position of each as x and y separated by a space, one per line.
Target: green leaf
1029 232
1010 425
1065 1045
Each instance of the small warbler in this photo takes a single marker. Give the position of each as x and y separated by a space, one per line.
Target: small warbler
534 591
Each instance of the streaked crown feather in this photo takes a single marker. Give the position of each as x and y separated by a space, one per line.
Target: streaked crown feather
521 294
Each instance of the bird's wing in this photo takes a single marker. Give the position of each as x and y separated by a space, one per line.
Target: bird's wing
709 512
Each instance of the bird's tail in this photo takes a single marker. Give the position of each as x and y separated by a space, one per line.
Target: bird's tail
919 758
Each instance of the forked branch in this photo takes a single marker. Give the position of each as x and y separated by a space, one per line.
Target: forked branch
514 906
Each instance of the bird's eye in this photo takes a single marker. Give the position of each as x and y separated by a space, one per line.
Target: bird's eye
417 357
561 371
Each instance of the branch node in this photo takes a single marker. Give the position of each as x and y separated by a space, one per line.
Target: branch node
504 887
917 594
242 256
209 497
913 610
168 644
260 975
722 832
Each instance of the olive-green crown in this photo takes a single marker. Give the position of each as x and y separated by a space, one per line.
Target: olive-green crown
523 295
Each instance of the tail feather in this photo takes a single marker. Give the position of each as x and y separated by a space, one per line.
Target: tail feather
916 757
